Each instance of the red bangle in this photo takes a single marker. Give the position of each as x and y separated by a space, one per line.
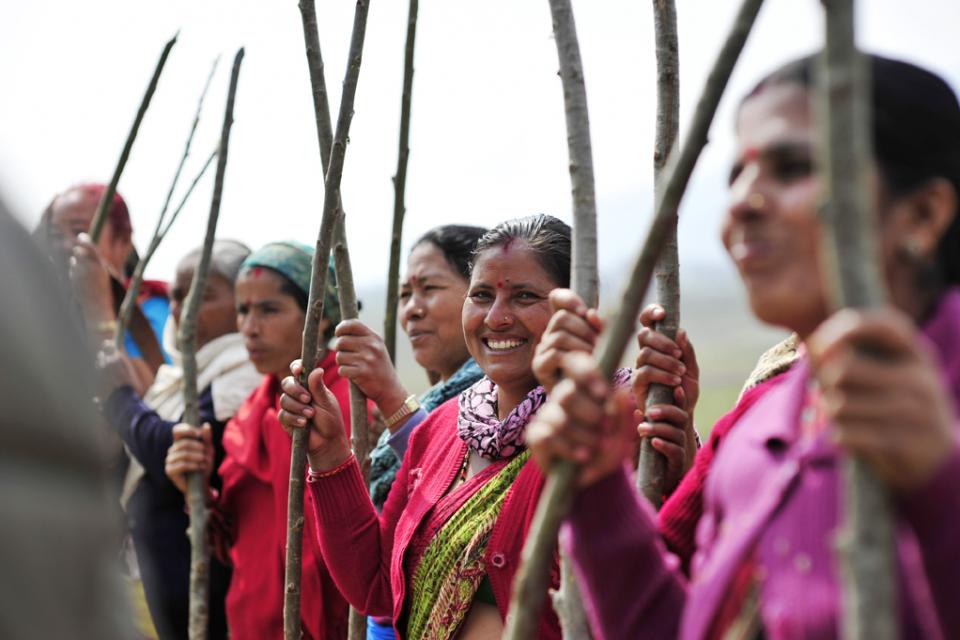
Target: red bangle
318 475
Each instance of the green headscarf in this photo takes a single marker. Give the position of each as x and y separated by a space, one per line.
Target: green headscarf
294 260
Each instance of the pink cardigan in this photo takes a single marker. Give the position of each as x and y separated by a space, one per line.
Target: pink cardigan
366 554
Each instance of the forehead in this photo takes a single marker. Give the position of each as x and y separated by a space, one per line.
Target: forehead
257 283
777 114
73 206
513 262
426 259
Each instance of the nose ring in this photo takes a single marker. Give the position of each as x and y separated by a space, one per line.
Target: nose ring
756 201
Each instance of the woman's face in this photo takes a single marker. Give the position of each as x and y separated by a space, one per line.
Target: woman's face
270 320
506 312
771 230
71 215
217 315
431 300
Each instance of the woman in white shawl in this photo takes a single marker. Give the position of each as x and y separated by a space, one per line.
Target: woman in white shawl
155 507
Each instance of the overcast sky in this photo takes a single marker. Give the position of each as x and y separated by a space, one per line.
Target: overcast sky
487 143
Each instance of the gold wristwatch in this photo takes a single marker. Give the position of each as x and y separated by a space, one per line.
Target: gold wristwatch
409 407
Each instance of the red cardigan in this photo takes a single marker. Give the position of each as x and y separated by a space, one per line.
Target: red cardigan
365 554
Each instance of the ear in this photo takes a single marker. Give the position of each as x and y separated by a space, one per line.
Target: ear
927 213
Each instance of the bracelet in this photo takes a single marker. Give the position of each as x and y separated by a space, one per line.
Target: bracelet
319 475
409 406
107 326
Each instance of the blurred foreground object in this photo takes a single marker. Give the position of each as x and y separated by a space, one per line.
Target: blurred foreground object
61 573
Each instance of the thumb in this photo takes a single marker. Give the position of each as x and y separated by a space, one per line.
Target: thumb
315 384
206 434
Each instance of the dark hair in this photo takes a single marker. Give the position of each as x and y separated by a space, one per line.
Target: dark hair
548 238
457 242
916 132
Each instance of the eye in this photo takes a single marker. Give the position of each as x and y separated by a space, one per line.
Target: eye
789 169
404 294
528 296
480 296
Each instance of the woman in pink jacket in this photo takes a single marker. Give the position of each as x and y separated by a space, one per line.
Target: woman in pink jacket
764 565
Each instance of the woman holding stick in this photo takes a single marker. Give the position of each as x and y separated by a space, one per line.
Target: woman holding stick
249 514
430 305
154 506
440 558
99 272
883 385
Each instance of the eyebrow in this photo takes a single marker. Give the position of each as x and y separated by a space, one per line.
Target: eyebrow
787 148
427 276
260 303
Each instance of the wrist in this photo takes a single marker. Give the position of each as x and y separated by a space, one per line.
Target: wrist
392 400
330 456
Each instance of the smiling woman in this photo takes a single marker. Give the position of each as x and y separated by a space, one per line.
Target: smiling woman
440 559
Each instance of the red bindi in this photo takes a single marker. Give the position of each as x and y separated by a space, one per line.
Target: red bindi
257 272
751 153
499 284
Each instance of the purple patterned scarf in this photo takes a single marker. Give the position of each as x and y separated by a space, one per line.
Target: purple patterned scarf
493 439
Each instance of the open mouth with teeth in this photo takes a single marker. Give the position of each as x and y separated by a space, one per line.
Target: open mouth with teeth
503 344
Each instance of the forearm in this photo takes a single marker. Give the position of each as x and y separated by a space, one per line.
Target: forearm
615 546
348 530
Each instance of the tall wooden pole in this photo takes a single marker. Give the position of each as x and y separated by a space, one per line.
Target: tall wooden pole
160 231
399 189
866 544
652 466
196 483
557 496
311 330
349 307
584 272
100 216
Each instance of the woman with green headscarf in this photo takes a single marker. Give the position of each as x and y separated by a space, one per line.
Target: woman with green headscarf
249 520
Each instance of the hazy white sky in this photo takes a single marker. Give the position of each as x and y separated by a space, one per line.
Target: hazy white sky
488 139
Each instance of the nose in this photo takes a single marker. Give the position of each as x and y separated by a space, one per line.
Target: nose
500 316
412 309
248 325
748 195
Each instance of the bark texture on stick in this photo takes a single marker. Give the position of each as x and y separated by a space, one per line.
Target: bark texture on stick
318 281
584 273
100 216
557 495
652 466
133 291
399 188
160 231
359 425
196 483
866 543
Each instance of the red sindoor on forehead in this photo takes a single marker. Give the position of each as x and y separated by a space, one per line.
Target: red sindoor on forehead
257 271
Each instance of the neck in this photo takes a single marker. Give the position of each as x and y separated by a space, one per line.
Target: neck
509 398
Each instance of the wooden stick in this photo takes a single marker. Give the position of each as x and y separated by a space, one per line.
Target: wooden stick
196 483
318 282
865 546
359 425
100 216
652 466
584 272
557 496
160 231
349 308
399 189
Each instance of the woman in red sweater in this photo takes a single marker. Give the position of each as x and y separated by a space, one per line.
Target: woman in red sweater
249 522
441 557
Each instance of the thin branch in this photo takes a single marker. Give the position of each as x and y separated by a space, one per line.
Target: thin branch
318 281
866 544
557 495
133 291
399 189
196 483
652 466
100 217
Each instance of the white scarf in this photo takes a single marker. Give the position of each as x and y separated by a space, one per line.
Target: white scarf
222 364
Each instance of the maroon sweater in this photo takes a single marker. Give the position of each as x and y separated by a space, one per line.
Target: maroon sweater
368 556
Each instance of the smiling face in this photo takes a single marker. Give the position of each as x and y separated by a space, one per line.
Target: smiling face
431 300
217 315
771 230
270 320
504 315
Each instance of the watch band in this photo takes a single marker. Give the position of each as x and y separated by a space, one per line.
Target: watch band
409 406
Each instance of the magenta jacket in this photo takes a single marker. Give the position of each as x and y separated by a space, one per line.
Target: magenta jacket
367 555
774 496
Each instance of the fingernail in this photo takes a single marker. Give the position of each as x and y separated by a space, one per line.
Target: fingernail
309 412
302 422
681 369
676 379
304 398
654 412
677 353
